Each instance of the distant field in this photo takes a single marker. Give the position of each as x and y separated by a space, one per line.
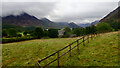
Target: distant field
101 51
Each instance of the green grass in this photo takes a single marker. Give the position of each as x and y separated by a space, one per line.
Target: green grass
26 53
101 51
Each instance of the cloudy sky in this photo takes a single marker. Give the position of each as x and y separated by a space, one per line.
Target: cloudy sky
78 11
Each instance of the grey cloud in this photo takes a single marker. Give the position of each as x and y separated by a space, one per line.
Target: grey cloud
38 9
81 12
62 10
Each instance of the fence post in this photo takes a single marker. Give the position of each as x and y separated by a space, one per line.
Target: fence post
58 58
83 40
77 45
39 64
70 50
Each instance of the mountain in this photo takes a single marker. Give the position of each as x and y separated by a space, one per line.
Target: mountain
112 16
26 20
73 25
21 20
0 22
85 25
0 19
49 24
63 24
95 22
66 24
89 24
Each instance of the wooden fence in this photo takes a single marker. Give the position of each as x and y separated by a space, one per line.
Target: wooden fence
88 37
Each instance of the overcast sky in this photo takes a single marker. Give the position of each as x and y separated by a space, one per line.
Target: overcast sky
78 11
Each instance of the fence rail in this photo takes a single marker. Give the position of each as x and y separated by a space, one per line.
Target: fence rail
70 48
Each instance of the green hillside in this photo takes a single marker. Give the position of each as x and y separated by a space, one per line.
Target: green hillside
113 18
101 51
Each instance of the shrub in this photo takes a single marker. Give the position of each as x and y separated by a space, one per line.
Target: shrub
104 27
4 33
19 35
25 33
67 32
12 32
15 39
53 33
38 32
79 31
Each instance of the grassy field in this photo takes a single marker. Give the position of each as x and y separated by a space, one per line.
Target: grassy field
26 53
101 51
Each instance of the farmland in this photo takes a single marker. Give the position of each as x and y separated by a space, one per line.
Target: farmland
101 51
26 53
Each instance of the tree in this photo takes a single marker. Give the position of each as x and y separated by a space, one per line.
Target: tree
4 33
104 27
67 29
114 24
45 33
67 32
31 32
12 32
93 29
38 32
19 35
25 33
53 33
79 31
87 30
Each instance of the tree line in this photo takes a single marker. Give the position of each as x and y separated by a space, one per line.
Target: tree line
39 32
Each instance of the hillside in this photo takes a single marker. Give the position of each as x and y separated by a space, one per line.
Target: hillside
21 20
114 15
101 51
72 25
89 24
26 20
113 18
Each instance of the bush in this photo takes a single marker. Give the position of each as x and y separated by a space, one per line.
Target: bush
25 33
79 31
15 39
19 35
4 33
53 33
38 33
12 32
45 33
104 27
67 32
